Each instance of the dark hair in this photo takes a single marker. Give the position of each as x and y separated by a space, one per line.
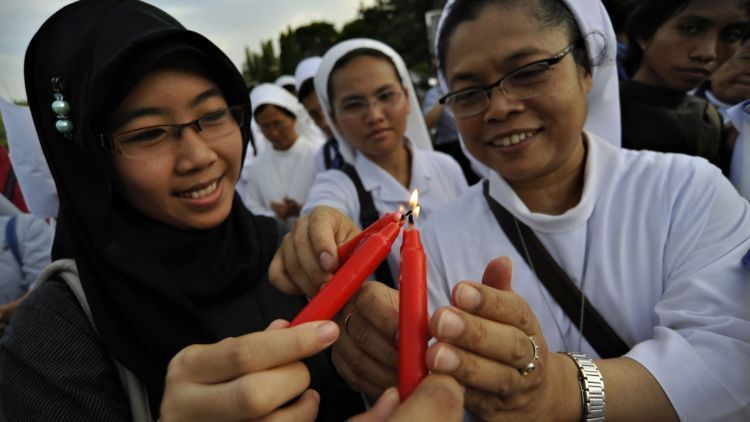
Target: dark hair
646 18
281 109
354 54
550 13
306 88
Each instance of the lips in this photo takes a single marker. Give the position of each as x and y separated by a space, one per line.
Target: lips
377 132
200 190
695 72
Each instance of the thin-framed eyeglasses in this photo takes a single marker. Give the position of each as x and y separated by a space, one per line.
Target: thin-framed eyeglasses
525 82
355 107
151 140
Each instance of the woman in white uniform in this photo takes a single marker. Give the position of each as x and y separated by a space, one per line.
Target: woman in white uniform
654 242
371 105
279 179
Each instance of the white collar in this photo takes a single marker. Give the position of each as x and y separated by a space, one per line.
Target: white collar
600 158
374 177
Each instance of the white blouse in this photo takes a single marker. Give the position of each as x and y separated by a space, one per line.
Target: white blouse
437 176
656 244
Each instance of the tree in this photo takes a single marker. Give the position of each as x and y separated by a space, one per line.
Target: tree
289 51
316 38
263 67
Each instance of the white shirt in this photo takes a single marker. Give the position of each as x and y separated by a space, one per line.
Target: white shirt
274 175
656 245
437 176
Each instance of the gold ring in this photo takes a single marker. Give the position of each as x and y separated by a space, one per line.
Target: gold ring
531 366
346 321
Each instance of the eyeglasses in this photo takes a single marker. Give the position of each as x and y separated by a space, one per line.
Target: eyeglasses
525 82
149 141
359 106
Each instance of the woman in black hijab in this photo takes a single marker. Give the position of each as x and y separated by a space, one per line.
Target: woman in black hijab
145 141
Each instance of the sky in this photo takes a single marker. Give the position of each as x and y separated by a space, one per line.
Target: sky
230 24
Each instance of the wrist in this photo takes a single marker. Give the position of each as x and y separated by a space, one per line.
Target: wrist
591 387
569 405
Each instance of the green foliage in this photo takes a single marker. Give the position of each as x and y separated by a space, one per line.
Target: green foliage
398 23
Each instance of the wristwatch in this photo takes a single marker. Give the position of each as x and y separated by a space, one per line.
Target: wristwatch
592 388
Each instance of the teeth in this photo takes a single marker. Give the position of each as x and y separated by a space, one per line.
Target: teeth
200 193
514 139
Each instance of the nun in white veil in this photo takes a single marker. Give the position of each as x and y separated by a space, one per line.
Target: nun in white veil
650 245
279 179
397 161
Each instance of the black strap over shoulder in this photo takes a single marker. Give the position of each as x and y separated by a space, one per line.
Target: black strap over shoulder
368 215
596 330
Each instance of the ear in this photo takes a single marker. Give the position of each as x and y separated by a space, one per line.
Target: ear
588 81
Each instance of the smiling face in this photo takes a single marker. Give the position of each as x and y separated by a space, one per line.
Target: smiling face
690 45
378 130
545 131
191 183
731 82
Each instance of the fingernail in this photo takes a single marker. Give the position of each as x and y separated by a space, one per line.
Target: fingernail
468 297
326 261
450 325
327 332
446 360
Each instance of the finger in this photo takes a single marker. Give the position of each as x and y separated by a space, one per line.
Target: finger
236 356
500 342
329 229
359 330
294 251
364 365
378 305
248 397
309 268
496 305
437 397
498 274
355 380
382 409
304 409
277 324
479 372
277 273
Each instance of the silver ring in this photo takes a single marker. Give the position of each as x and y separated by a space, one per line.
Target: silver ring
531 366
346 321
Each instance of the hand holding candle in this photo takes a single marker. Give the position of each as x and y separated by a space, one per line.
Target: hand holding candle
412 343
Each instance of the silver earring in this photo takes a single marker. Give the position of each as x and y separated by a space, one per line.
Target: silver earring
61 109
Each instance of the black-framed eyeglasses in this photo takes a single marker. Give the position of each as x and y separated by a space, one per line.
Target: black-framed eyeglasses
525 82
149 141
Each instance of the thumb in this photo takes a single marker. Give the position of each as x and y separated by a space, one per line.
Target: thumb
498 274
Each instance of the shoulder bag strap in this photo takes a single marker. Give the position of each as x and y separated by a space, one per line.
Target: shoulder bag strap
368 215
596 330
134 388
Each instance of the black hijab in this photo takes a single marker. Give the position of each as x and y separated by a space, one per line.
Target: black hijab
148 284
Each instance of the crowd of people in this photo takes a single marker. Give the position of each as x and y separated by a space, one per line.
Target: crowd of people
583 177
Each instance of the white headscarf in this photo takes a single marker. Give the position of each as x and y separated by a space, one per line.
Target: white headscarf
739 171
416 129
305 70
273 94
284 80
603 115
28 161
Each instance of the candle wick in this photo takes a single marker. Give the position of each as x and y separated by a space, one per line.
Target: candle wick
411 221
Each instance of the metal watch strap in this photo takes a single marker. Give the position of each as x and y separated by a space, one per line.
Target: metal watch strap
592 388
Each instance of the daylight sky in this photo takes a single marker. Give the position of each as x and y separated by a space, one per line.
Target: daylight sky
231 24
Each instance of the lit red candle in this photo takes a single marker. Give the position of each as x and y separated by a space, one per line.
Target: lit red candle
363 261
346 250
412 323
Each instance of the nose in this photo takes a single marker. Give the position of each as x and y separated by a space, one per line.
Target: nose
193 153
500 107
374 111
704 49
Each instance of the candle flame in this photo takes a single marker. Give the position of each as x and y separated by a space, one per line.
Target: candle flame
401 209
416 211
414 199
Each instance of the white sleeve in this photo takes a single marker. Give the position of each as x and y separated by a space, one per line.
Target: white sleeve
333 188
35 244
700 348
252 197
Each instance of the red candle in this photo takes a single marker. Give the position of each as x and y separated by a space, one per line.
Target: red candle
332 297
412 322
345 250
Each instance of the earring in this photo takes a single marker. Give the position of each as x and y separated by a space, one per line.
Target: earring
61 108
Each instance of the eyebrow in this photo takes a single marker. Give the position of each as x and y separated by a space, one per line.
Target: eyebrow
131 115
513 58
